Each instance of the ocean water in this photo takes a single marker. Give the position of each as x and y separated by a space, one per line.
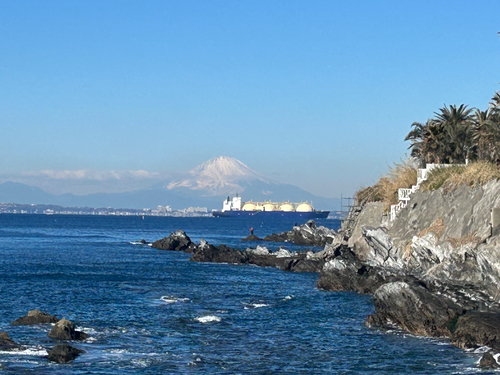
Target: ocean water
149 311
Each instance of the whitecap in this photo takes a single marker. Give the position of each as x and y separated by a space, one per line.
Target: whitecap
288 298
135 243
172 299
254 305
208 319
36 351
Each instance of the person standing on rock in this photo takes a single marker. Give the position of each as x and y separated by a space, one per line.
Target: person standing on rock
251 231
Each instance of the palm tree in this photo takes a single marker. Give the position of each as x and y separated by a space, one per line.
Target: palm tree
485 134
427 142
495 102
455 123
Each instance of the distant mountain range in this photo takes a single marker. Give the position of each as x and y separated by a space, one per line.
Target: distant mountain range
205 186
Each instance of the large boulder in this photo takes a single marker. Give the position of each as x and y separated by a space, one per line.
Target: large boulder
65 330
488 361
413 308
35 317
7 344
63 353
177 241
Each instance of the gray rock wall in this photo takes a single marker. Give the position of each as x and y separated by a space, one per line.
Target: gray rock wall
440 236
371 215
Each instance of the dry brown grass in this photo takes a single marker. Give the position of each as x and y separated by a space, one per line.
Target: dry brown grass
470 238
450 178
401 175
437 227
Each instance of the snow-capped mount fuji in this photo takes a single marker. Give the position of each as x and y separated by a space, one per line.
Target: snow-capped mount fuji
219 176
204 186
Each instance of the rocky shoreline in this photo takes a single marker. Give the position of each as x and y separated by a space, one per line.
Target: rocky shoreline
434 271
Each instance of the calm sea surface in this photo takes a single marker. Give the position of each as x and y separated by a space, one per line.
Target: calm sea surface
154 312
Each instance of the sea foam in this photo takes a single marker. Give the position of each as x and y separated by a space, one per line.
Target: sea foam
208 319
172 299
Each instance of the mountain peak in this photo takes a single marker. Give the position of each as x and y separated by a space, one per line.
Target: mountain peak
220 175
224 166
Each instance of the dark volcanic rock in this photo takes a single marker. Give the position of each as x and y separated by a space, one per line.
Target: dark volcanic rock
218 254
260 256
63 353
488 361
35 317
304 265
345 272
307 234
477 328
251 238
413 308
65 330
177 241
6 343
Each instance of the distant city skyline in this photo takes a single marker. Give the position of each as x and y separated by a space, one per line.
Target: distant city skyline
113 96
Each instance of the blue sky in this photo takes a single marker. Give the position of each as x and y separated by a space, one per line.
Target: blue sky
319 94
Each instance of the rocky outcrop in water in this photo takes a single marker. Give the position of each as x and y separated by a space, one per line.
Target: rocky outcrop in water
488 361
251 238
307 234
7 344
35 317
176 241
259 256
63 353
65 330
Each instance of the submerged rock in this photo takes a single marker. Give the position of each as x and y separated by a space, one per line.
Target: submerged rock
7 344
35 317
65 330
63 353
177 241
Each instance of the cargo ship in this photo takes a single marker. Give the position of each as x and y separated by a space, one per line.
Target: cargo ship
269 210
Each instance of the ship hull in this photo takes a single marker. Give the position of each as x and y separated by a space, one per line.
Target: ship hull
274 214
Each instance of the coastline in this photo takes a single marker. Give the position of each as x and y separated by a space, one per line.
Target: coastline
432 272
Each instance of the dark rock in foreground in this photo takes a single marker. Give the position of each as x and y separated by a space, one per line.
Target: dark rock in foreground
176 241
65 330
477 328
413 308
63 353
6 343
35 317
488 361
307 234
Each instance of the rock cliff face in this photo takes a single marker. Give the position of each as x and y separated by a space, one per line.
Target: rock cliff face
434 271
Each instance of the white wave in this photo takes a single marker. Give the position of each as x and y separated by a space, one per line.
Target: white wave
208 319
254 305
37 351
150 244
87 330
172 299
136 243
288 298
